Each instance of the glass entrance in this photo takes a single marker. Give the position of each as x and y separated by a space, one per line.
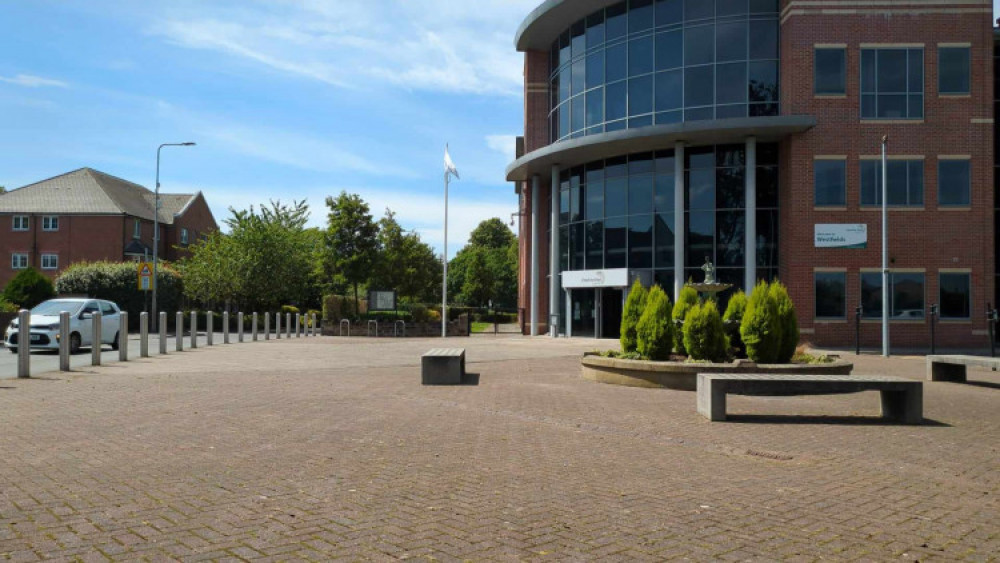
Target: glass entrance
611 312
583 308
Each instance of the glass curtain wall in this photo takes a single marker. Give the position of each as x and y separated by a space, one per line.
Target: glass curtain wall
645 62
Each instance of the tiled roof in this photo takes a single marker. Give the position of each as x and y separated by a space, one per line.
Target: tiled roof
89 191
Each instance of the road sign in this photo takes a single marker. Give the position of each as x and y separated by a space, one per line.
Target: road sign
145 276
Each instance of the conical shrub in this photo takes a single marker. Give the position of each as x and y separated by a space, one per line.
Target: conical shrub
788 321
704 336
655 331
760 329
688 298
634 305
731 320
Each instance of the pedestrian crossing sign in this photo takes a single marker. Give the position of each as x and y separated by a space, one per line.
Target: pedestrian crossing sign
145 276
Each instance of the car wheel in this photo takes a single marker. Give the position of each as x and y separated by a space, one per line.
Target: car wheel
114 343
74 343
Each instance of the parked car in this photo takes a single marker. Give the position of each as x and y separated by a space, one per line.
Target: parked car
45 325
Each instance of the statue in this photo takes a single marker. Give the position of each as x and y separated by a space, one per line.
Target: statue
709 270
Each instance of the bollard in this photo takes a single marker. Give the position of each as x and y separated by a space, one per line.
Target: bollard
225 327
64 341
298 325
194 330
24 336
288 325
277 326
209 329
123 336
144 334
163 332
179 331
267 326
95 339
254 329
314 327
239 328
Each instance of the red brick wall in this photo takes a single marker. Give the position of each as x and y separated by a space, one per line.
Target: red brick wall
197 219
926 238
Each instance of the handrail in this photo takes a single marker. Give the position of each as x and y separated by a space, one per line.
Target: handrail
395 325
342 321
370 327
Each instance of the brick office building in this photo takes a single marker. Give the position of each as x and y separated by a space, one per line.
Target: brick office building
662 132
86 215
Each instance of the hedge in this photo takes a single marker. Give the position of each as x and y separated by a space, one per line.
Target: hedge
634 306
655 331
117 281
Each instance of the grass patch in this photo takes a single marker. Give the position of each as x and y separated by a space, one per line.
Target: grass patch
803 358
478 327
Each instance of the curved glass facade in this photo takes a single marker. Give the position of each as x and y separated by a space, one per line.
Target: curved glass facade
646 62
619 213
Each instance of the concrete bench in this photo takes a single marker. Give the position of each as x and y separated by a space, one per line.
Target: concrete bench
902 399
443 366
953 368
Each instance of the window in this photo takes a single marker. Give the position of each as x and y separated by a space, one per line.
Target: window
50 223
906 183
50 261
955 295
831 295
953 70
184 236
892 83
137 229
19 222
906 301
830 71
829 181
953 182
18 261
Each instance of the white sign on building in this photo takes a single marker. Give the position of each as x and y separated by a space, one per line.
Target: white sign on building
579 279
841 236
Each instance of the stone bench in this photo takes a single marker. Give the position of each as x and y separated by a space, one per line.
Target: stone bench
902 399
443 366
953 368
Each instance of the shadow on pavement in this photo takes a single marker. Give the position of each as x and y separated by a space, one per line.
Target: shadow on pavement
471 379
986 384
819 419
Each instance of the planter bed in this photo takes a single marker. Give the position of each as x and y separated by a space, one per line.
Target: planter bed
683 375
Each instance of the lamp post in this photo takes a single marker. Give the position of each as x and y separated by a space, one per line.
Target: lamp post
156 218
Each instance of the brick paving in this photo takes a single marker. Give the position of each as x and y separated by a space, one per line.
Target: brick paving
326 448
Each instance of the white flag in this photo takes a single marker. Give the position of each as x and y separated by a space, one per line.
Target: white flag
449 166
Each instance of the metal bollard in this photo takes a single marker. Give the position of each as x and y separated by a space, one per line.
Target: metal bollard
163 332
194 330
254 328
64 341
288 325
239 328
267 326
225 327
144 334
179 331
314 327
298 325
209 329
123 336
95 339
24 336
277 325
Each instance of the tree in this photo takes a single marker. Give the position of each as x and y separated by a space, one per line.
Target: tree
3 190
498 247
405 263
478 286
491 233
351 240
28 288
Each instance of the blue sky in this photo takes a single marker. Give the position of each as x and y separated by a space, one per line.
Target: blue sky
292 99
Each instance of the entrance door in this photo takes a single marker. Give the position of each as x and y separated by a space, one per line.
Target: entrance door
583 305
611 313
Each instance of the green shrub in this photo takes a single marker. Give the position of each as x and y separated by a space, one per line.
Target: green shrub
760 329
704 336
7 306
654 331
687 299
337 307
787 320
634 306
289 309
28 288
117 281
731 321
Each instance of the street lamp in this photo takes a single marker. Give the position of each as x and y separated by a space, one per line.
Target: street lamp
156 220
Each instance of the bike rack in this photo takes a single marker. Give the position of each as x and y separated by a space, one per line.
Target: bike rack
342 321
370 328
395 326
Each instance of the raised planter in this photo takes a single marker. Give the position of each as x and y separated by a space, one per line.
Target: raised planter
683 376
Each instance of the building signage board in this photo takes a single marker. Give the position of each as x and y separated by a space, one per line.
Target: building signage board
841 236
579 279
145 276
381 300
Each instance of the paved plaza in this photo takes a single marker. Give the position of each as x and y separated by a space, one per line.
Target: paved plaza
324 448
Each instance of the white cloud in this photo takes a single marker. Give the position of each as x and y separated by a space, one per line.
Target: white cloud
30 81
503 144
432 45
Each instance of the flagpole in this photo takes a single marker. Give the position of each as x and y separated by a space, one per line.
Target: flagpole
444 283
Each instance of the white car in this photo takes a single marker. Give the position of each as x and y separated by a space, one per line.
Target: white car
45 324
